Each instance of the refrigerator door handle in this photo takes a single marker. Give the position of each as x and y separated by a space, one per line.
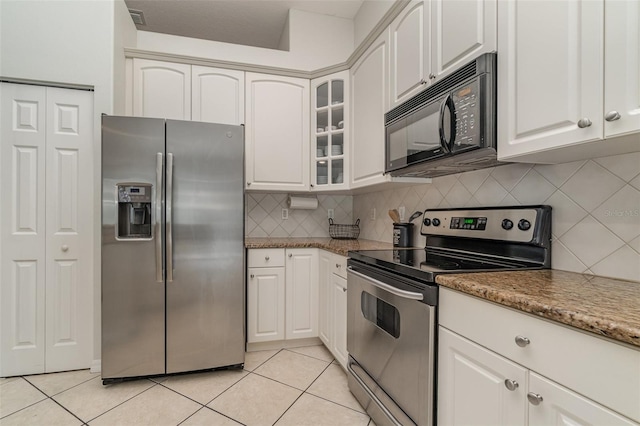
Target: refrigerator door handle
169 217
158 221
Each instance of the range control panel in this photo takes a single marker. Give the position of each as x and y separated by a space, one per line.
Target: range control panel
516 224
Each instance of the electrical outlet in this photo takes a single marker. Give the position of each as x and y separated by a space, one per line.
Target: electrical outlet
401 211
330 213
372 215
285 214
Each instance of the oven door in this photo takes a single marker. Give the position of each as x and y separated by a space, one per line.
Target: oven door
391 326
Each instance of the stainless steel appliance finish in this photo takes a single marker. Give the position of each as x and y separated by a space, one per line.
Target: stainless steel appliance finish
392 301
450 127
390 319
172 299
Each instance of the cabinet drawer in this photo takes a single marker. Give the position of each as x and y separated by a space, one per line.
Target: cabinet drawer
339 265
266 258
604 371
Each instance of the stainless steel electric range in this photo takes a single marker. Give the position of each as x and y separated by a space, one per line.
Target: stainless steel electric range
392 301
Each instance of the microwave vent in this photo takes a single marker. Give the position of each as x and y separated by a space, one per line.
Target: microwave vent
468 71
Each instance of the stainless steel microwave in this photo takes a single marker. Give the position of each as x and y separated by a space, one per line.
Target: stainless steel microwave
450 127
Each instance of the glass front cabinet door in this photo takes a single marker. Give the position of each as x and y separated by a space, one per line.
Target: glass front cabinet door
329 131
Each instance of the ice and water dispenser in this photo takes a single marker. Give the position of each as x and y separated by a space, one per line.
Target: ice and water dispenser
134 211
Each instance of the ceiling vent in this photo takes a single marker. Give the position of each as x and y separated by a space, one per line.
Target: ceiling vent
137 16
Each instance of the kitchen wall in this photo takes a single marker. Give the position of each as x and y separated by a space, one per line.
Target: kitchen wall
596 208
263 215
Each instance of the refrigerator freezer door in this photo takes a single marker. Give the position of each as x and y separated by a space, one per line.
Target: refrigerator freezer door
133 337
205 298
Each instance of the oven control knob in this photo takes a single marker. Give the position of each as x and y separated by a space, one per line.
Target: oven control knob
426 221
524 225
507 224
436 222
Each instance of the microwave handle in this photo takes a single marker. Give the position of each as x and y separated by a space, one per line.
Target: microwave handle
447 145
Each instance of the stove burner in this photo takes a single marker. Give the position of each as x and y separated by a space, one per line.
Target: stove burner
439 264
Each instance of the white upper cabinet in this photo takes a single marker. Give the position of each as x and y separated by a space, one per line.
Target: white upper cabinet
460 32
555 95
217 95
369 88
330 131
277 132
433 38
621 67
410 58
161 89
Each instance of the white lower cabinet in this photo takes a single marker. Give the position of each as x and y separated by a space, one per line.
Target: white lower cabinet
498 366
333 305
301 312
282 295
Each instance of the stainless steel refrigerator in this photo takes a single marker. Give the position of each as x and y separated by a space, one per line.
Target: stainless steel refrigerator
172 246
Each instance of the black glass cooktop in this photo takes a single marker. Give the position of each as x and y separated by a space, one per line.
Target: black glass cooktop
425 264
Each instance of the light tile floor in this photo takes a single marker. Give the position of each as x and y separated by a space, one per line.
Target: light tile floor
298 386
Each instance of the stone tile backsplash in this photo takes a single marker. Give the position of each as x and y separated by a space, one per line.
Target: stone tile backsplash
596 209
264 216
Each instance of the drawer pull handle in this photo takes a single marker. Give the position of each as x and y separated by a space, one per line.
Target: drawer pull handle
266 258
522 341
511 384
534 398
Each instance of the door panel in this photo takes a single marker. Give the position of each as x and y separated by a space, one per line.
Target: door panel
161 89
265 304
218 95
22 230
205 299
132 300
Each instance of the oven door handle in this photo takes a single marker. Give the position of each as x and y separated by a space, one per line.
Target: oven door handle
386 287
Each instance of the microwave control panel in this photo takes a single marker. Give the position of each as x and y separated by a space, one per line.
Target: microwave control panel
466 114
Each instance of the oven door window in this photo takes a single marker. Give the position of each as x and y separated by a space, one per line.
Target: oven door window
415 137
380 313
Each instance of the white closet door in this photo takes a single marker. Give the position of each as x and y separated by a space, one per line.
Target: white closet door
22 235
68 225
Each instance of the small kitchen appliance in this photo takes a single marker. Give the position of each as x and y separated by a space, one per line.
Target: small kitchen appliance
392 301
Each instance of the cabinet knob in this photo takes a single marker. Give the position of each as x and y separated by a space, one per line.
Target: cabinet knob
338 265
584 122
290 255
252 276
511 384
248 183
344 289
311 185
423 81
534 398
64 248
266 258
522 341
612 116
432 76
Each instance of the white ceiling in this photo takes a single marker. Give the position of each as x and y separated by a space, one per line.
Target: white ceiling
249 22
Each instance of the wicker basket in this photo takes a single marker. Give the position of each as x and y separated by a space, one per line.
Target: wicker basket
344 232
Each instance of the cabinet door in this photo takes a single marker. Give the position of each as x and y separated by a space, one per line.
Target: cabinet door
265 304
472 387
550 77
325 305
277 132
217 95
409 51
622 67
339 344
22 237
301 293
69 225
330 131
369 83
560 406
161 89
461 30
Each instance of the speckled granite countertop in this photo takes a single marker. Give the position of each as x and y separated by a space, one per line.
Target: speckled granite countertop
340 247
604 306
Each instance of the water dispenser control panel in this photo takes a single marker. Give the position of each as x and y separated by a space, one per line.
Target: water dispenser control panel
134 211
